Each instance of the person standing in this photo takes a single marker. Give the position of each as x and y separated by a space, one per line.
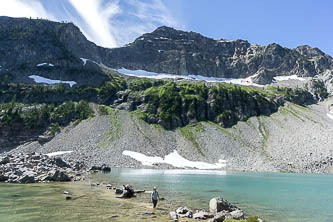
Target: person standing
154 197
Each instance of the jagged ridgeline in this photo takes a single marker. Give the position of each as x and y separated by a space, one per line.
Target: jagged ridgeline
59 51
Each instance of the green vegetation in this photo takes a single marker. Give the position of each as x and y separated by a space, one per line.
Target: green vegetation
39 117
249 219
113 133
263 131
170 104
190 132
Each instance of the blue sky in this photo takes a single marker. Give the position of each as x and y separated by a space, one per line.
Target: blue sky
113 23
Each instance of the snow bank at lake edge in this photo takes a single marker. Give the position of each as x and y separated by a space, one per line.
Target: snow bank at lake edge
173 159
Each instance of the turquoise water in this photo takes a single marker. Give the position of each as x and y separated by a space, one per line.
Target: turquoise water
273 196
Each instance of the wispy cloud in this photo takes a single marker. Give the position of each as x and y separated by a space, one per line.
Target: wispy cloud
110 23
96 15
22 8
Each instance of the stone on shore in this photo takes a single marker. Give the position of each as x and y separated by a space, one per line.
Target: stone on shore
218 204
173 216
184 212
202 215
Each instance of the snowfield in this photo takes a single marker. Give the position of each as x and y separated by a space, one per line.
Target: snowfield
175 160
238 81
152 75
40 79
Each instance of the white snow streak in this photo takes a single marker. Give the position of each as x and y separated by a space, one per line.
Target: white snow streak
45 64
284 78
40 79
84 61
173 159
152 75
58 153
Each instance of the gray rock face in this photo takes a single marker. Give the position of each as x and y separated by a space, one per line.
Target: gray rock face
165 50
25 43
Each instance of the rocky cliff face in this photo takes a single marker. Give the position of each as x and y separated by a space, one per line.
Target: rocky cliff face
26 43
167 50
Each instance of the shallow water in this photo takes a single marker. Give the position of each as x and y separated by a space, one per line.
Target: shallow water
275 197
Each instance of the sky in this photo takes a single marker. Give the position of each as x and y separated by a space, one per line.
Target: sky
114 23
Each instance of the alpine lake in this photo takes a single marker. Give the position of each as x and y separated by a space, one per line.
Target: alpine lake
272 196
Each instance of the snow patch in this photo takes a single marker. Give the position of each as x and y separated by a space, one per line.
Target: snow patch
173 159
40 79
58 153
45 64
284 78
84 61
152 75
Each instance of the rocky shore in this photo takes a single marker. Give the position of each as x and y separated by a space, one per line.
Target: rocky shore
219 209
35 167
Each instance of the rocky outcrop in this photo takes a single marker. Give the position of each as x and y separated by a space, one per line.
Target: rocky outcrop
34 168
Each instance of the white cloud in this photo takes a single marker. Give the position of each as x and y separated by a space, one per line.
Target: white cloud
23 8
97 15
109 23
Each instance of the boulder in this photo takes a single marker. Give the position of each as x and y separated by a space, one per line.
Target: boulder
106 169
60 163
173 216
4 160
184 212
220 216
44 139
3 178
26 178
118 191
237 214
218 204
58 176
202 215
128 191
